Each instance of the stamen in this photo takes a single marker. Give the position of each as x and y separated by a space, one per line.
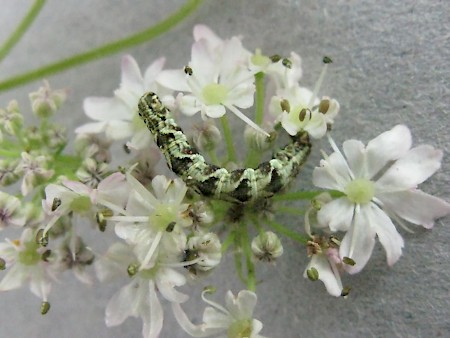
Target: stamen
188 70
326 61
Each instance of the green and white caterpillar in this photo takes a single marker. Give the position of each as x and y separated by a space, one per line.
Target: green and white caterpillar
239 186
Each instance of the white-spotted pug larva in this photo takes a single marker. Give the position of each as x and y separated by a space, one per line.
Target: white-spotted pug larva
241 185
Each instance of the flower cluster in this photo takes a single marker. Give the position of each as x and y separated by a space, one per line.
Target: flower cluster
165 231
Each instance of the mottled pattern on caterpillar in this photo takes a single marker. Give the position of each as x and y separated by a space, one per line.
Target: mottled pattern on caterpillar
241 185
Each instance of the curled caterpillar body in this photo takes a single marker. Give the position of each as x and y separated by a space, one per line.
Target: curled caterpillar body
241 185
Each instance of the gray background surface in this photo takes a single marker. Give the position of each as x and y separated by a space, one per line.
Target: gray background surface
391 66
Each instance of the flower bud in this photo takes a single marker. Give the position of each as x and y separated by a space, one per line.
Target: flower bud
7 172
257 140
207 249
207 137
45 101
267 246
11 119
92 172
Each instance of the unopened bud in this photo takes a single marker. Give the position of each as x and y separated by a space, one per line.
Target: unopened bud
207 137
267 246
46 101
257 140
207 247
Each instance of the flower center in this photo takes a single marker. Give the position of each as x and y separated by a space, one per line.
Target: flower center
162 217
137 123
214 93
240 329
81 204
29 256
360 191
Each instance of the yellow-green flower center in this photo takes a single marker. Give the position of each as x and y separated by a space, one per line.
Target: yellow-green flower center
260 60
214 93
162 217
240 329
29 256
360 191
80 204
137 123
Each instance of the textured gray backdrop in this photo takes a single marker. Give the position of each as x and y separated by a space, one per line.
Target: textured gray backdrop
391 66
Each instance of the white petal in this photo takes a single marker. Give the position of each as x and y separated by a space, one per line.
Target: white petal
243 305
117 130
91 128
186 324
410 170
152 72
204 67
174 79
332 281
386 232
242 96
122 305
356 157
214 111
387 147
131 77
154 327
188 104
204 32
106 109
337 214
214 319
317 126
358 242
39 285
415 206
166 281
14 278
333 173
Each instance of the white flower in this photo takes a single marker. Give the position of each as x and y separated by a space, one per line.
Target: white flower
24 258
218 78
379 181
298 110
233 320
34 171
11 212
285 77
154 222
117 116
139 298
77 197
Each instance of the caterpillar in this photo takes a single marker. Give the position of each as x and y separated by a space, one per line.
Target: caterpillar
238 186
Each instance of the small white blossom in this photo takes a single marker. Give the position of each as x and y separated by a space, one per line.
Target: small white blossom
24 259
11 212
233 320
34 171
154 222
378 181
139 298
217 78
117 116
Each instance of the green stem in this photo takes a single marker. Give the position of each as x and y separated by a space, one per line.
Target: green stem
303 195
253 156
104 50
228 139
21 28
291 211
287 232
246 247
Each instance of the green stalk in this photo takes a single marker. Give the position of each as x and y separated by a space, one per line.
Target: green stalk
287 232
104 50
253 156
304 195
228 139
246 247
21 29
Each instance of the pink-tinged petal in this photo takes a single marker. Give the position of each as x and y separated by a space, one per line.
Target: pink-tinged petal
174 79
355 153
78 187
106 108
332 174
152 72
214 111
153 328
415 206
337 214
204 32
410 170
122 305
331 280
387 147
242 96
358 242
386 232
131 77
